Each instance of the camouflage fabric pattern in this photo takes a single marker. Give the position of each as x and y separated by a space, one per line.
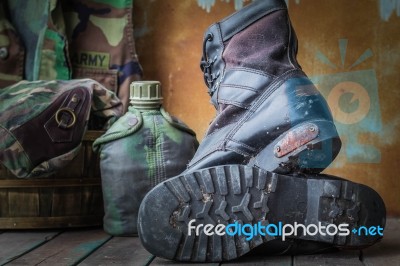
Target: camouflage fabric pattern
25 101
69 39
40 26
101 43
139 151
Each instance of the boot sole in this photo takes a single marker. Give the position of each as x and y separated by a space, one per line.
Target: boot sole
248 195
307 148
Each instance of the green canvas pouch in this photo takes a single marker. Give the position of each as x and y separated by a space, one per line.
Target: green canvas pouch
143 148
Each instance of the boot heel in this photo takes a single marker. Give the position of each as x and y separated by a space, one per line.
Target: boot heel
308 147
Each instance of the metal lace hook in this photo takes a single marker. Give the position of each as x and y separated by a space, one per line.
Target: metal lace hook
209 37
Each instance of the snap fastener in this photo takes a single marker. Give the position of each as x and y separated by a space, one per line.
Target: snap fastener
3 52
132 122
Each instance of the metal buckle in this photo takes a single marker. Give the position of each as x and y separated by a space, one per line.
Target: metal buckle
68 110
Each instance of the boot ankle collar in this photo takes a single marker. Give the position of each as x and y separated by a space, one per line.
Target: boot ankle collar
212 63
248 15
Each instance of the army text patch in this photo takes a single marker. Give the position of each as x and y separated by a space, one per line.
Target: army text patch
91 59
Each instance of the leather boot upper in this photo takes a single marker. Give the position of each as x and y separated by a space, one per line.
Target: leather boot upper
256 85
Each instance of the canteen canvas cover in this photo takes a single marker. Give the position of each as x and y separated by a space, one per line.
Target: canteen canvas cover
139 151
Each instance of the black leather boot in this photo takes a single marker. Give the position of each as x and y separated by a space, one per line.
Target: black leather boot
269 114
272 119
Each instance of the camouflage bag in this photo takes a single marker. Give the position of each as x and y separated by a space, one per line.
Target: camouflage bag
143 148
42 122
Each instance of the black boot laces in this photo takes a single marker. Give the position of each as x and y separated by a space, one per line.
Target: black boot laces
206 65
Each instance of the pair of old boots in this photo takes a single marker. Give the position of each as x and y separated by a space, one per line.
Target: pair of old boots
254 180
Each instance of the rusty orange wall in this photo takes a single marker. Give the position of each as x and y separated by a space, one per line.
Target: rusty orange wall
350 49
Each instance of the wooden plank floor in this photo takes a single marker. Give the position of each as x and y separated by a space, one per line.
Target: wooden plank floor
86 247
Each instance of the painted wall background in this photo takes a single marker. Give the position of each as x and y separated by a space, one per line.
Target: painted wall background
350 49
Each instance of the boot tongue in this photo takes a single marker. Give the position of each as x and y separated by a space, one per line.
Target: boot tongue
146 95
